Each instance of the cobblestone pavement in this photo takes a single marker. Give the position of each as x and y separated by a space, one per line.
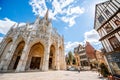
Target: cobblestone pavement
51 75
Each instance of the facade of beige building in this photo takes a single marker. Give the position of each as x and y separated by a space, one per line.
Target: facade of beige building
107 24
35 46
100 57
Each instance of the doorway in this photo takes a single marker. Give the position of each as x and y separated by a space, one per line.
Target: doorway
50 63
16 62
16 56
35 63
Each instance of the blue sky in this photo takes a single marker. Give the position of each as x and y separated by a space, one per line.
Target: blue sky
73 18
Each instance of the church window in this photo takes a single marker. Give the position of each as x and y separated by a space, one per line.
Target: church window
107 12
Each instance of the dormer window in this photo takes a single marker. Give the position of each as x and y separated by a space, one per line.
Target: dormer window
101 19
107 12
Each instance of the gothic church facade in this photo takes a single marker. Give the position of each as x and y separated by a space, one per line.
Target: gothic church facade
35 46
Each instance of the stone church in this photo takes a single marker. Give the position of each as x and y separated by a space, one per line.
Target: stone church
34 46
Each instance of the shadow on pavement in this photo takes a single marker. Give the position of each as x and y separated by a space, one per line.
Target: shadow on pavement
102 78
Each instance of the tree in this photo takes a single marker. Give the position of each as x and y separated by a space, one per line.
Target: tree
104 71
74 61
67 60
70 57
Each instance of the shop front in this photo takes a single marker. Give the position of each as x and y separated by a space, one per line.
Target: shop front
114 63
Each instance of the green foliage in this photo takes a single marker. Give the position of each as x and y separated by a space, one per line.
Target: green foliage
104 71
67 60
70 58
74 61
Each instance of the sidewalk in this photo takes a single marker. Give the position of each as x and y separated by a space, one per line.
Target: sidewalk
52 75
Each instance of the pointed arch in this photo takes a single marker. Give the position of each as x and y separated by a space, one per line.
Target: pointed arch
35 57
16 56
6 48
52 57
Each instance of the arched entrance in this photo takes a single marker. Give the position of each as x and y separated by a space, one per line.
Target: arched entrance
35 57
16 57
6 48
52 58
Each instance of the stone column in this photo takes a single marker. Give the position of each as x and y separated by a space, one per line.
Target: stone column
61 57
41 63
63 60
22 62
57 59
46 58
6 61
27 67
54 63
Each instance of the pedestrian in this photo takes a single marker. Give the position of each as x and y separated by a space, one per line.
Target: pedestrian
99 71
79 69
91 66
110 77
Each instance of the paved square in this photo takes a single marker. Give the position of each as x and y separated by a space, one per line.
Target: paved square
51 75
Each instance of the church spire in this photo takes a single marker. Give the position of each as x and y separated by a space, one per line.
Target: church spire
37 19
46 15
38 16
13 25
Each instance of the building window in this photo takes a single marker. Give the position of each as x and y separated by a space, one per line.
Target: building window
83 56
101 19
108 28
117 21
115 43
107 12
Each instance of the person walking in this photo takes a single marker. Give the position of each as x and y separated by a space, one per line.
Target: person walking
79 68
99 74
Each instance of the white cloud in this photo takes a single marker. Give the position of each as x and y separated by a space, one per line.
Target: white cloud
6 24
66 8
70 20
69 46
39 7
74 10
93 37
